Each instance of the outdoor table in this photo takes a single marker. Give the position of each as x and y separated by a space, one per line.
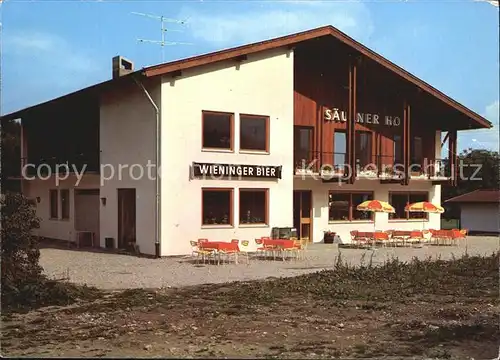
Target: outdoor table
281 243
222 247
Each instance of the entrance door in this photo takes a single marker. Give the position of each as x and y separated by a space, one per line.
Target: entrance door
126 217
302 213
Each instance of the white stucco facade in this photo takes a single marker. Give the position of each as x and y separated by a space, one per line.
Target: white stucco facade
261 85
127 142
481 217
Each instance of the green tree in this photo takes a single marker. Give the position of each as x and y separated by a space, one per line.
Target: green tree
478 169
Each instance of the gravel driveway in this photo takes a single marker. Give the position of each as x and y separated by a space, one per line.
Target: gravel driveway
114 271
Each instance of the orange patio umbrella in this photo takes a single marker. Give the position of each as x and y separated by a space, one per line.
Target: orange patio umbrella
425 207
375 206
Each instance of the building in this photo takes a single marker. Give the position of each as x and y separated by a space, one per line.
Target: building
293 131
479 211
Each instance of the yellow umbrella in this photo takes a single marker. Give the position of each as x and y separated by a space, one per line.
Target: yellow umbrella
425 207
375 206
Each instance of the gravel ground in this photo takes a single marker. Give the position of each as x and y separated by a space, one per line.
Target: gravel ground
113 271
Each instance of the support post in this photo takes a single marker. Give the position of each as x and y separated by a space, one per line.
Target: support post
406 143
453 156
351 121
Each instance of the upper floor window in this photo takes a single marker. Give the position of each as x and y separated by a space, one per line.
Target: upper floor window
363 144
398 150
417 153
217 130
254 133
339 149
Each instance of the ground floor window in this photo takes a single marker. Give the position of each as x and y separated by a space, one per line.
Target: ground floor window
64 193
254 206
342 206
399 201
217 206
53 204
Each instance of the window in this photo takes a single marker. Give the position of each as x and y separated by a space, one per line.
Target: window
363 143
398 150
342 206
399 202
417 151
217 130
339 150
254 132
303 143
254 206
64 203
53 210
217 206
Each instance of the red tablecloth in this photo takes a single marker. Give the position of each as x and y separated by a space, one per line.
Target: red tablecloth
219 245
283 243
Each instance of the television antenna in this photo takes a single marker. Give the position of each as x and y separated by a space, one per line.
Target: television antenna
163 42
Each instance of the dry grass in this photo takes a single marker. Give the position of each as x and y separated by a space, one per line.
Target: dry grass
445 309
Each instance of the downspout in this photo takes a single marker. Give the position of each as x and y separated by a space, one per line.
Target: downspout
158 163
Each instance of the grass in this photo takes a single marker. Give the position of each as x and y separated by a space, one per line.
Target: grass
422 307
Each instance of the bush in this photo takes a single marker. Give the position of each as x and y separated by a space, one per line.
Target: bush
23 284
20 253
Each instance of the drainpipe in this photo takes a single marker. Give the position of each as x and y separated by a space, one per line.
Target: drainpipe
157 161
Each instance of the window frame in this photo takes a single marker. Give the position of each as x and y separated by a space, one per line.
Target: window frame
408 193
231 206
67 204
54 206
231 131
267 129
266 204
351 206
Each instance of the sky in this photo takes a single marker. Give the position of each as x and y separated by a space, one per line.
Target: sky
50 48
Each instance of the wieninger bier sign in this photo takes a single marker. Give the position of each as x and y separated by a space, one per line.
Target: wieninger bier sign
234 170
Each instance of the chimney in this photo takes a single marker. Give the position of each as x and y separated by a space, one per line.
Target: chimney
122 66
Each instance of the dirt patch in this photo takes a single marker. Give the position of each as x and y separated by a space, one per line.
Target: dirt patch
422 309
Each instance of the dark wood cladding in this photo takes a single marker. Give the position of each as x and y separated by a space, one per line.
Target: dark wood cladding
324 73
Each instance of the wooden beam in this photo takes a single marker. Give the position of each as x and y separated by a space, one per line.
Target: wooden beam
241 58
176 74
453 157
351 120
406 142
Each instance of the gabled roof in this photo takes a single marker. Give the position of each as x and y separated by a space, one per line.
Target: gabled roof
477 196
290 40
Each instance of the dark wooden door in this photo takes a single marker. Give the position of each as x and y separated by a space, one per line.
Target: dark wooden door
302 213
126 218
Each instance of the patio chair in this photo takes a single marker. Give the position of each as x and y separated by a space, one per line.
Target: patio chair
200 254
381 238
228 253
261 249
244 249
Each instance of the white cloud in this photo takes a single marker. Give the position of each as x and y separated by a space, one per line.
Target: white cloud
484 138
46 47
227 28
51 65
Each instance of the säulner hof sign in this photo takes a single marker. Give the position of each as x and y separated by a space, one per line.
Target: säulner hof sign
337 115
